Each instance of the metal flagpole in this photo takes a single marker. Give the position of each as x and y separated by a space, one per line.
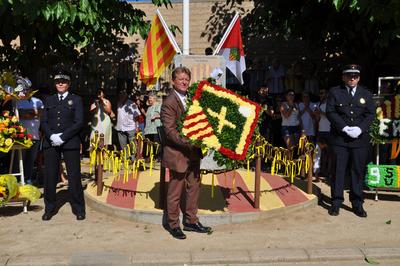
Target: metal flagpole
169 34
226 33
186 37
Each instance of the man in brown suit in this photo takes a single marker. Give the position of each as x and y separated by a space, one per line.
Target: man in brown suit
182 159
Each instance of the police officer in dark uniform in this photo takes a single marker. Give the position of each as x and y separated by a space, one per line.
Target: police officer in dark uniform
351 110
61 122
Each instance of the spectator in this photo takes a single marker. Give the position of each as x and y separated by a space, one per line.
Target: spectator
101 120
267 103
153 119
290 120
127 126
141 118
29 110
307 117
324 128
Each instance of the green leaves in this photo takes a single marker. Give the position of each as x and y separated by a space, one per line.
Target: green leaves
66 24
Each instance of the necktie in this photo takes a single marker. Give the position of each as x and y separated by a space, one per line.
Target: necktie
351 92
61 98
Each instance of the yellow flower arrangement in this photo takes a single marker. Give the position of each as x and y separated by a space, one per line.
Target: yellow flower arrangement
11 132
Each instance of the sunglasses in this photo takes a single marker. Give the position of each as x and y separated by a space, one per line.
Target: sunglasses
354 76
63 81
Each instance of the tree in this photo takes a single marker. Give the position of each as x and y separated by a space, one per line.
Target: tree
33 30
344 30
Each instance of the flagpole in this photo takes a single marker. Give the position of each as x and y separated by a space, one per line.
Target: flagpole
186 26
169 34
226 33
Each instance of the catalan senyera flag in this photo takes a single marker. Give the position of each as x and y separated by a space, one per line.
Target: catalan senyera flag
232 49
158 53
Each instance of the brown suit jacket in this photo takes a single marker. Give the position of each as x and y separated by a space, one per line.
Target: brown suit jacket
178 153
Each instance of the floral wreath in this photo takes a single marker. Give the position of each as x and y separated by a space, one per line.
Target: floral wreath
220 120
384 128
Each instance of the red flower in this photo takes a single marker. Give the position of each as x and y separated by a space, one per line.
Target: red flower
29 136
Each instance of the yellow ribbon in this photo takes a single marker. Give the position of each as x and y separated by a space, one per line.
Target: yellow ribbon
212 186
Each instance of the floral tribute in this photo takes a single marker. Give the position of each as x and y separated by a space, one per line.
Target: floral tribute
10 189
383 176
11 132
221 120
14 87
386 125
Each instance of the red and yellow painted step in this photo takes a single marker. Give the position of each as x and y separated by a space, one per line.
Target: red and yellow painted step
228 192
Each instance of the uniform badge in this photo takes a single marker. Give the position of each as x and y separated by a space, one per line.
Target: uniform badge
70 102
362 100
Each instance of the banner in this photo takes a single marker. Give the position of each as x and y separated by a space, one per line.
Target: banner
383 176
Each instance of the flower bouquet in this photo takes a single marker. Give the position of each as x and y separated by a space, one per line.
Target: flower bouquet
14 87
11 133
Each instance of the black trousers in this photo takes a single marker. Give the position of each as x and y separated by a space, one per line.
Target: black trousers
52 160
356 160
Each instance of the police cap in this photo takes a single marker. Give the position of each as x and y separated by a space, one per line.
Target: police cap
352 69
62 74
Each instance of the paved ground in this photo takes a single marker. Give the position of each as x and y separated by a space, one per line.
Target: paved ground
306 237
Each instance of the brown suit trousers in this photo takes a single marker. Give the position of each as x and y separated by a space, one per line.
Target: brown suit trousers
183 161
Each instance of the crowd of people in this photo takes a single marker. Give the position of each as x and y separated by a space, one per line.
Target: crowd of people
293 102
337 122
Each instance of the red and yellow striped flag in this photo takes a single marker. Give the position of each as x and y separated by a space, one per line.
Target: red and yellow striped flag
158 53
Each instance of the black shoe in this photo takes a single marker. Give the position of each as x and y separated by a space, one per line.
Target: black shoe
177 233
360 212
334 211
80 217
197 227
47 216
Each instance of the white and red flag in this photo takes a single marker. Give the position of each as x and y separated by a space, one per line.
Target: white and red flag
231 48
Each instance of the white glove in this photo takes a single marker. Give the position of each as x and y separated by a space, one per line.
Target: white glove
56 139
349 131
346 130
355 131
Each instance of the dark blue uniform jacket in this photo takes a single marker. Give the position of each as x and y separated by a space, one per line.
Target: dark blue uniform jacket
342 110
64 117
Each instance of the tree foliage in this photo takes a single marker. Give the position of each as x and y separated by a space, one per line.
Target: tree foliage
357 30
33 29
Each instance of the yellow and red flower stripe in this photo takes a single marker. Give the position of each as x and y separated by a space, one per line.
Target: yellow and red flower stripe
197 127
